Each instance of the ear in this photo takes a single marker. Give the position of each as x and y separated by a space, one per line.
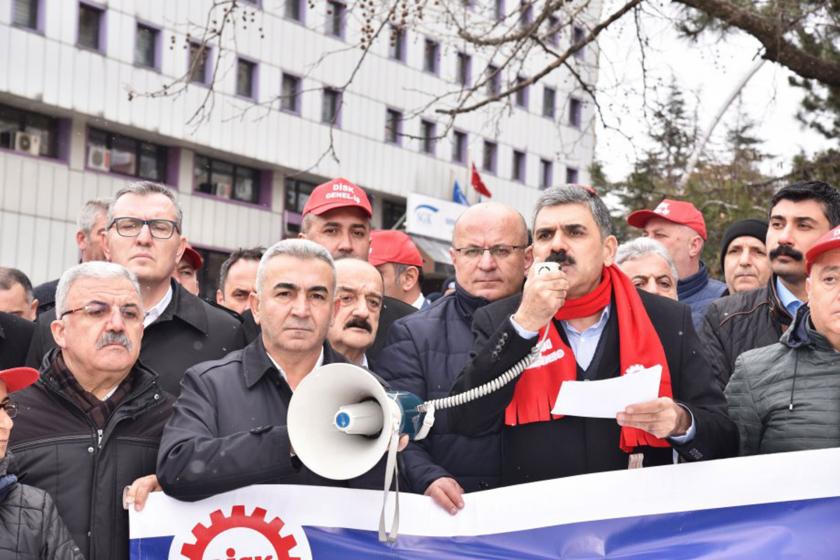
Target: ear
610 247
529 258
57 329
808 287
182 246
254 304
452 254
220 297
695 247
81 240
409 279
33 308
106 246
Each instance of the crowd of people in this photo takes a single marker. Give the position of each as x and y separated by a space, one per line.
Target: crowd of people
122 381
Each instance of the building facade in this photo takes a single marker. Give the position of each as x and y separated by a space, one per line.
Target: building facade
250 122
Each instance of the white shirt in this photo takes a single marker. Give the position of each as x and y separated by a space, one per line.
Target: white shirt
418 303
157 309
318 364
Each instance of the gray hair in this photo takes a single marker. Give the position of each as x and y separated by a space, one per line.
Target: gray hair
90 211
298 248
576 194
11 276
642 246
146 188
93 269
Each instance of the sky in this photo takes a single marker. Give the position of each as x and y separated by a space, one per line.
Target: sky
707 72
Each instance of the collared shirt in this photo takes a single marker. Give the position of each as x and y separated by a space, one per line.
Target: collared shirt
158 309
419 302
583 344
318 364
790 302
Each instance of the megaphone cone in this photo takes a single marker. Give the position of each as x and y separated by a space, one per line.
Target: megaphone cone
341 420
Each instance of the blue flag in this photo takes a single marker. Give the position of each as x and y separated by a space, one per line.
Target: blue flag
458 195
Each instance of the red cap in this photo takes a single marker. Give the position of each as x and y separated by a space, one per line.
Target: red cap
193 256
827 242
337 193
18 378
677 211
392 246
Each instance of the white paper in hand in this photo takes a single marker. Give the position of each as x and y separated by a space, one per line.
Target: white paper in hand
607 397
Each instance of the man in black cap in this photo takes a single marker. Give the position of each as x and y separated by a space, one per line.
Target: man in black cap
743 256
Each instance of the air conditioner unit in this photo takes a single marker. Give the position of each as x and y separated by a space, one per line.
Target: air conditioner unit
99 158
28 143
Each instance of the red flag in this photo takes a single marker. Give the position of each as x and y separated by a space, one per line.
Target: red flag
478 184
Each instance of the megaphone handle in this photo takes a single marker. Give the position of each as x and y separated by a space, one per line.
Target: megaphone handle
391 473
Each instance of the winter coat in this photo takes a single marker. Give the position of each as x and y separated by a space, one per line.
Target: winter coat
698 291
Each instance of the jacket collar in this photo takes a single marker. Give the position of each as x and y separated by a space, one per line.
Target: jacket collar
186 307
802 333
256 363
687 287
777 310
466 303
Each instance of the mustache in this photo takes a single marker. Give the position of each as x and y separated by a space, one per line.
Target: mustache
560 257
110 337
359 323
786 251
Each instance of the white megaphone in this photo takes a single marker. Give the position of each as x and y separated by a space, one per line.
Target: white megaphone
341 420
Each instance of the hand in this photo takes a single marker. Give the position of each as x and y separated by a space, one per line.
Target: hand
446 492
661 417
139 490
404 439
543 295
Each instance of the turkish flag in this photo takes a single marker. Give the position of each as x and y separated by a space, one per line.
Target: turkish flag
478 184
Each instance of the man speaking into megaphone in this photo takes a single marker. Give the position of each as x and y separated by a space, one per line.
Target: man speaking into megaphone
229 426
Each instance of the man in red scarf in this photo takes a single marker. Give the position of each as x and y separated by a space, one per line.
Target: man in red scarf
599 326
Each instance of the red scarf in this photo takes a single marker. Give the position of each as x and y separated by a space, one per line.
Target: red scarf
639 345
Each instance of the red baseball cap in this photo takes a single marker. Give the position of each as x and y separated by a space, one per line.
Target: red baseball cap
827 242
18 378
676 211
392 246
338 193
193 256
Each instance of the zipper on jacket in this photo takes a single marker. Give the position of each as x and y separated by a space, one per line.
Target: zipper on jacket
99 438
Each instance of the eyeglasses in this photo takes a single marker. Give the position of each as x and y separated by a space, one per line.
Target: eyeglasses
496 251
98 310
131 227
10 407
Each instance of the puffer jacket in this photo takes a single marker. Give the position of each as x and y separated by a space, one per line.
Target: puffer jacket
58 449
740 322
30 527
424 354
786 396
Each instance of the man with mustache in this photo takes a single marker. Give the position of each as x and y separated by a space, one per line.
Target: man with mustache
358 303
593 324
799 214
91 425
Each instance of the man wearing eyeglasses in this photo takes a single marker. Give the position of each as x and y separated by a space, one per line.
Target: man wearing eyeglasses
91 425
144 235
425 351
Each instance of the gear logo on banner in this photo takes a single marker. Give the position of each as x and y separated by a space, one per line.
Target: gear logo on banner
240 536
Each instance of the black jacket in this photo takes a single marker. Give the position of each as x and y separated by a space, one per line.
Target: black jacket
740 322
30 527
424 354
189 331
576 445
228 429
15 336
58 449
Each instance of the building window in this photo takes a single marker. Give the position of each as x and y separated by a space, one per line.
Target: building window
290 93
335 18
549 102
226 180
115 153
396 47
518 173
197 69
571 176
331 106
488 159
459 146
392 213
90 26
145 46
552 31
294 10
546 172
494 81
575 108
393 126
25 13
464 69
297 193
499 10
526 12
246 78
429 136
578 35
431 56
29 133
522 94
